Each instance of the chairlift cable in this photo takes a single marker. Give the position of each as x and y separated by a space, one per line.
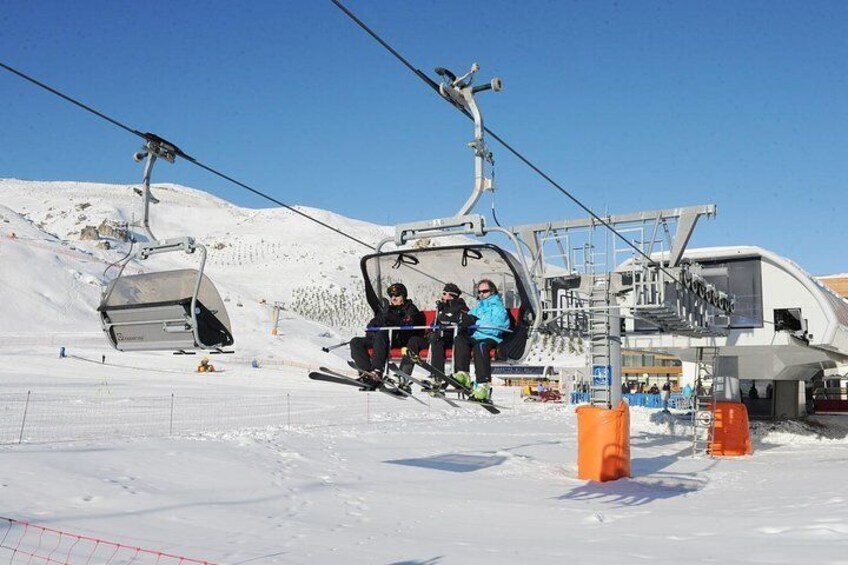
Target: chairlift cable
180 153
72 100
500 140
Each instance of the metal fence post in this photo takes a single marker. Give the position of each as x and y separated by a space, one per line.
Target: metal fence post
23 421
171 424
288 411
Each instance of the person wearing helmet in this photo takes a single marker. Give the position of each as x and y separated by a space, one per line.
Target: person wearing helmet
398 311
450 309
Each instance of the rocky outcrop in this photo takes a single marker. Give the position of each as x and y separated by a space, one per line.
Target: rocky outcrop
89 233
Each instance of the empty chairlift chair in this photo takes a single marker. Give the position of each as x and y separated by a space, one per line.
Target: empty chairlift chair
178 310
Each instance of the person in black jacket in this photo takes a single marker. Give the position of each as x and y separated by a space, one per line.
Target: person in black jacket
450 309
400 311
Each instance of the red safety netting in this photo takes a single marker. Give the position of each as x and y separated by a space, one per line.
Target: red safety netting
24 542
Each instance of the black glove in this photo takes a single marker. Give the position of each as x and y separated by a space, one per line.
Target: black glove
467 320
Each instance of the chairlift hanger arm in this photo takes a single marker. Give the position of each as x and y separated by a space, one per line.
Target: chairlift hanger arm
154 148
460 92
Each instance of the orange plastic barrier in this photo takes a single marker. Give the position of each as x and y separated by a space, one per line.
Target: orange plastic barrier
603 443
731 435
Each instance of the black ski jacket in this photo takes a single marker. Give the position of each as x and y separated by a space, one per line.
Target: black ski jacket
450 313
407 314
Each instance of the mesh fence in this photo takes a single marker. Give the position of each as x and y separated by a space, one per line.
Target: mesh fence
34 417
41 417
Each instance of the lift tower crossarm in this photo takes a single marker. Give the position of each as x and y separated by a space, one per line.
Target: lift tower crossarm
686 224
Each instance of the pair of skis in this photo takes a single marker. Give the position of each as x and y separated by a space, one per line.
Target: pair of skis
387 387
466 391
426 387
332 376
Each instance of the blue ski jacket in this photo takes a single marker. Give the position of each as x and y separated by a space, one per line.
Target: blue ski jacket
491 313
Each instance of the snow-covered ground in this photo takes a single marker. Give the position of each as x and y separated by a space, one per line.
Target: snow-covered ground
326 474
263 465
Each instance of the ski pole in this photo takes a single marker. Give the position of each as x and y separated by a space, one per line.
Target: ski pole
328 349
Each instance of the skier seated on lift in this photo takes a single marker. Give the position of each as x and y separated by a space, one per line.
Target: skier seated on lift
491 320
399 311
450 310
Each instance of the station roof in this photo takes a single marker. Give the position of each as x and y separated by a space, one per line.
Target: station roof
837 283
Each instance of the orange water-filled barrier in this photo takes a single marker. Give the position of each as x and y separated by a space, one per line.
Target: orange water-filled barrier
731 435
603 443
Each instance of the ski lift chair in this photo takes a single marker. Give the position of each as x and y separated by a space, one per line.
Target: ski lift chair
177 310
425 271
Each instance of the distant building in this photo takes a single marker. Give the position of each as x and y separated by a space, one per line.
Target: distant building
650 368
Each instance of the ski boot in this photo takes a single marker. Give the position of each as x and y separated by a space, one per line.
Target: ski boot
482 392
439 383
428 385
464 379
371 378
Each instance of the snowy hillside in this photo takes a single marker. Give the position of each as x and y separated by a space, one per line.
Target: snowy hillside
256 258
52 278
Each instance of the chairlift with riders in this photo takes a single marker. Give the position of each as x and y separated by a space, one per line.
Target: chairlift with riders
425 269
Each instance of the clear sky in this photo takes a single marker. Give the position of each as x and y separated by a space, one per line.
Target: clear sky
629 105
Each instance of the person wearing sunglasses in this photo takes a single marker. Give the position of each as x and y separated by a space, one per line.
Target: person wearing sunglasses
450 309
490 319
398 311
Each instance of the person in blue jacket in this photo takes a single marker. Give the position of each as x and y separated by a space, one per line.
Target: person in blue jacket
489 319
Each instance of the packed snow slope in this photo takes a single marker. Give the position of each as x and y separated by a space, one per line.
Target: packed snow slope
266 466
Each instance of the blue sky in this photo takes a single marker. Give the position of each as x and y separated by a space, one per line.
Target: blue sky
629 105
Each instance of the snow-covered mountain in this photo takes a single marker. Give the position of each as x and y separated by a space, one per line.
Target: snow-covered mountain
52 274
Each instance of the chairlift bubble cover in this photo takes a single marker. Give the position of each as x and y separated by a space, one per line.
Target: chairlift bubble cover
425 271
152 311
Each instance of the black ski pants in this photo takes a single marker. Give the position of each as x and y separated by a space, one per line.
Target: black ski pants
440 342
482 361
415 344
379 342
